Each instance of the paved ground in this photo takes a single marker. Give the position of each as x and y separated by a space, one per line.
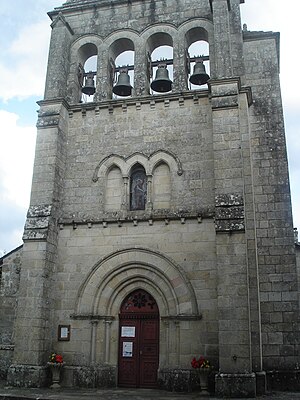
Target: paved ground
117 394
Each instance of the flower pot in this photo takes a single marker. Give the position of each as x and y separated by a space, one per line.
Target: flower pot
203 380
55 369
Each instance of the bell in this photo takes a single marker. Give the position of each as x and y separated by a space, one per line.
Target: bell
161 83
199 76
123 87
89 87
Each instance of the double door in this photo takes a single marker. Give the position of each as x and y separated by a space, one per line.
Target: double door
138 352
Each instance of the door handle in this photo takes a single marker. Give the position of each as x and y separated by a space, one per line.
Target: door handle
141 352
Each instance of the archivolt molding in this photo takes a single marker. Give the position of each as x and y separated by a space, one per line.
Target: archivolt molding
125 34
123 271
168 157
130 277
126 163
86 39
198 23
164 29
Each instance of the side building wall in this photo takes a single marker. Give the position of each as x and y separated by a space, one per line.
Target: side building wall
10 266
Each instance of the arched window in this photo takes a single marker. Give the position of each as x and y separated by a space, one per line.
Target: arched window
89 85
87 71
198 51
138 188
121 56
160 47
124 83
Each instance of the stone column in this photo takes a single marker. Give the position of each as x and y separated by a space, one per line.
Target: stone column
107 324
125 194
180 72
167 330
222 41
94 325
177 333
149 204
236 37
141 85
58 64
105 76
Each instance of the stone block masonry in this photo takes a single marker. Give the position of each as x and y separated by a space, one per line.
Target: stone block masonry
181 197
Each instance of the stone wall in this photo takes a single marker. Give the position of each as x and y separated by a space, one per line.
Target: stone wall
10 265
214 245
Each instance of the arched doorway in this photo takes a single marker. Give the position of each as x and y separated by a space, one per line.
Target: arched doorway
138 341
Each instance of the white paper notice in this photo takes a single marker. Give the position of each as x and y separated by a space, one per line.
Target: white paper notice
128 331
64 333
127 349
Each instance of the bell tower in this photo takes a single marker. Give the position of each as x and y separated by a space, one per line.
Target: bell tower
160 183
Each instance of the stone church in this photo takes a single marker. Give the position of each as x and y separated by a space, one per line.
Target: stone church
160 225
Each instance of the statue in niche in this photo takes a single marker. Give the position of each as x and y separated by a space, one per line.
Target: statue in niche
138 192
80 74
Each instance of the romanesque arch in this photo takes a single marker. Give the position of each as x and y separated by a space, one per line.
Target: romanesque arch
119 273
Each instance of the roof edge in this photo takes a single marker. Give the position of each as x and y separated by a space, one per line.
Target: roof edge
10 253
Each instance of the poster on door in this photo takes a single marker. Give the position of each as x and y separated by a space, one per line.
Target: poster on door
127 349
128 331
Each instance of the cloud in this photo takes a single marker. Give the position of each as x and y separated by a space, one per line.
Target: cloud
23 70
12 220
280 19
293 147
16 161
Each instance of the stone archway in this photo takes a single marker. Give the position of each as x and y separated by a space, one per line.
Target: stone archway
119 273
114 278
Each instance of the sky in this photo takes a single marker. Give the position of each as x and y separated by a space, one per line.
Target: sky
24 42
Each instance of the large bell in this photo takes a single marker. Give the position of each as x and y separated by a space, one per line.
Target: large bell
199 76
89 87
161 83
123 87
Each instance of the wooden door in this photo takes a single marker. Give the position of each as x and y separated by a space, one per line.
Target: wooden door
139 341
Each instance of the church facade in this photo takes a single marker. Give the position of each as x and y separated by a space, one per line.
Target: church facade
160 224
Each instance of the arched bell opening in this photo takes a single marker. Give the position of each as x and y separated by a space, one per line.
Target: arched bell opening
121 64
87 71
89 86
160 50
138 359
198 65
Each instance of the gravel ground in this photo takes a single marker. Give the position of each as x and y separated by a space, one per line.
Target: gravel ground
117 394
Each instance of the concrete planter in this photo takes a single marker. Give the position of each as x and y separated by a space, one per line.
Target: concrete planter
55 369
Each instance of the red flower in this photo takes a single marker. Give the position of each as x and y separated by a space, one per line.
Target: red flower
201 363
58 358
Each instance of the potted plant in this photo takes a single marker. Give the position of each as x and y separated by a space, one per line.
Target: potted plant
55 363
203 368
